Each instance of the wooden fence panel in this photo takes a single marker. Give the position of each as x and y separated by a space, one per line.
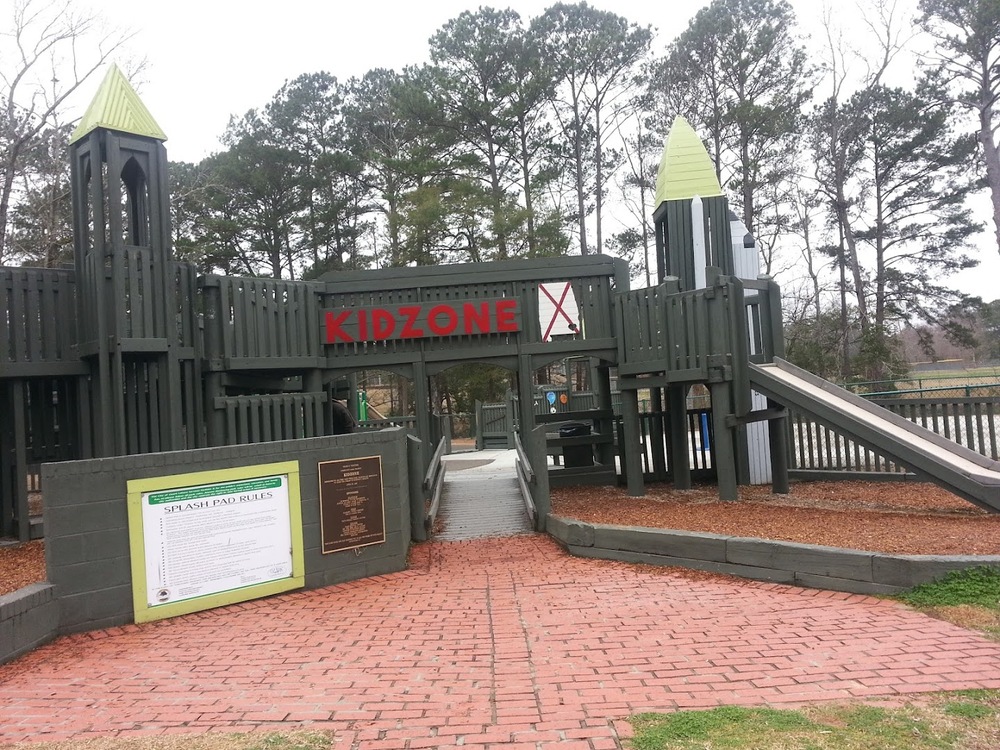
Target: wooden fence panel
492 428
682 334
267 321
38 322
281 416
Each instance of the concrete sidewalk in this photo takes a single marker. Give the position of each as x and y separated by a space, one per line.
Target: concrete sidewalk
484 643
483 462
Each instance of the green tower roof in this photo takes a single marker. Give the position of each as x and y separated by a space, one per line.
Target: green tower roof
685 168
117 107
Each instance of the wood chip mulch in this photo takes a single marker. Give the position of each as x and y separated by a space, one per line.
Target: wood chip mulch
21 565
911 518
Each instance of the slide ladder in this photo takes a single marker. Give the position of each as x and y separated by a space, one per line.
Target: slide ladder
930 456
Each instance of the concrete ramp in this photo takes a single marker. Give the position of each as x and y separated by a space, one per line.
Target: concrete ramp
928 455
481 497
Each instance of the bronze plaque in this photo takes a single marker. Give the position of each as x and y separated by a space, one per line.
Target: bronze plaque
351 505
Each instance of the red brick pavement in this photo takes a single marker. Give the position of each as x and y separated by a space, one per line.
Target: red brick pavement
482 644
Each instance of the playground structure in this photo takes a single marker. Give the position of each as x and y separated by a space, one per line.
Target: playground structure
133 352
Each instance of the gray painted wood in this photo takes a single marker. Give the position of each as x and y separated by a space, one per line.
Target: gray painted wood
482 502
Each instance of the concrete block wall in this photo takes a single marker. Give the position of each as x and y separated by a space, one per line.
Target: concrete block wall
807 565
86 518
29 617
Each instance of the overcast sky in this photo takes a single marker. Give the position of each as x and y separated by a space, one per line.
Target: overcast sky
210 59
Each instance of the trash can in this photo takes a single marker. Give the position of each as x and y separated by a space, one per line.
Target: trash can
576 455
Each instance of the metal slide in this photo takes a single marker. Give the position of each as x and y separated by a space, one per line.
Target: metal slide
928 455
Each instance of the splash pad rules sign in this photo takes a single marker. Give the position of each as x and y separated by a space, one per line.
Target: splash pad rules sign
213 543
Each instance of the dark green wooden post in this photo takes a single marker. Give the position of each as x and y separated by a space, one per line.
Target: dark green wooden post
777 436
415 459
353 398
680 457
478 419
538 456
771 324
526 416
526 402
422 409
605 451
631 447
773 341
657 435
312 382
20 460
215 418
742 453
7 480
511 418
723 455
677 432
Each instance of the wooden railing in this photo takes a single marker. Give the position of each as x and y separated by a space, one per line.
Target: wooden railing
283 416
655 450
762 301
525 479
139 318
692 336
971 422
38 331
433 484
253 322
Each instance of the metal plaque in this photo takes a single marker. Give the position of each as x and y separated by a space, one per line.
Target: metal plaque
351 503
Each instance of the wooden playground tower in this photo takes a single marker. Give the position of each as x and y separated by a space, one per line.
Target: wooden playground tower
133 352
699 325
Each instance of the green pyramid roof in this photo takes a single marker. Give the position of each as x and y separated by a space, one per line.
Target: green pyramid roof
117 107
685 168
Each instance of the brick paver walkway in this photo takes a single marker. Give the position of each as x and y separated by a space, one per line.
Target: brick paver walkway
482 643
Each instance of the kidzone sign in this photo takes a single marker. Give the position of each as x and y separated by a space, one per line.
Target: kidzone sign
346 325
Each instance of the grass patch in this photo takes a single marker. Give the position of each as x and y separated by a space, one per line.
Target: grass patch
979 586
947 721
718 726
291 740
967 709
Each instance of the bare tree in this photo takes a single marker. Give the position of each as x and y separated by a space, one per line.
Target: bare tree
637 185
965 66
47 51
836 133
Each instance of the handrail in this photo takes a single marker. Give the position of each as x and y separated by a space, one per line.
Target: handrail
435 464
434 482
525 476
523 458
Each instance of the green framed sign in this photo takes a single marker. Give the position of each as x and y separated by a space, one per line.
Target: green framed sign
213 538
